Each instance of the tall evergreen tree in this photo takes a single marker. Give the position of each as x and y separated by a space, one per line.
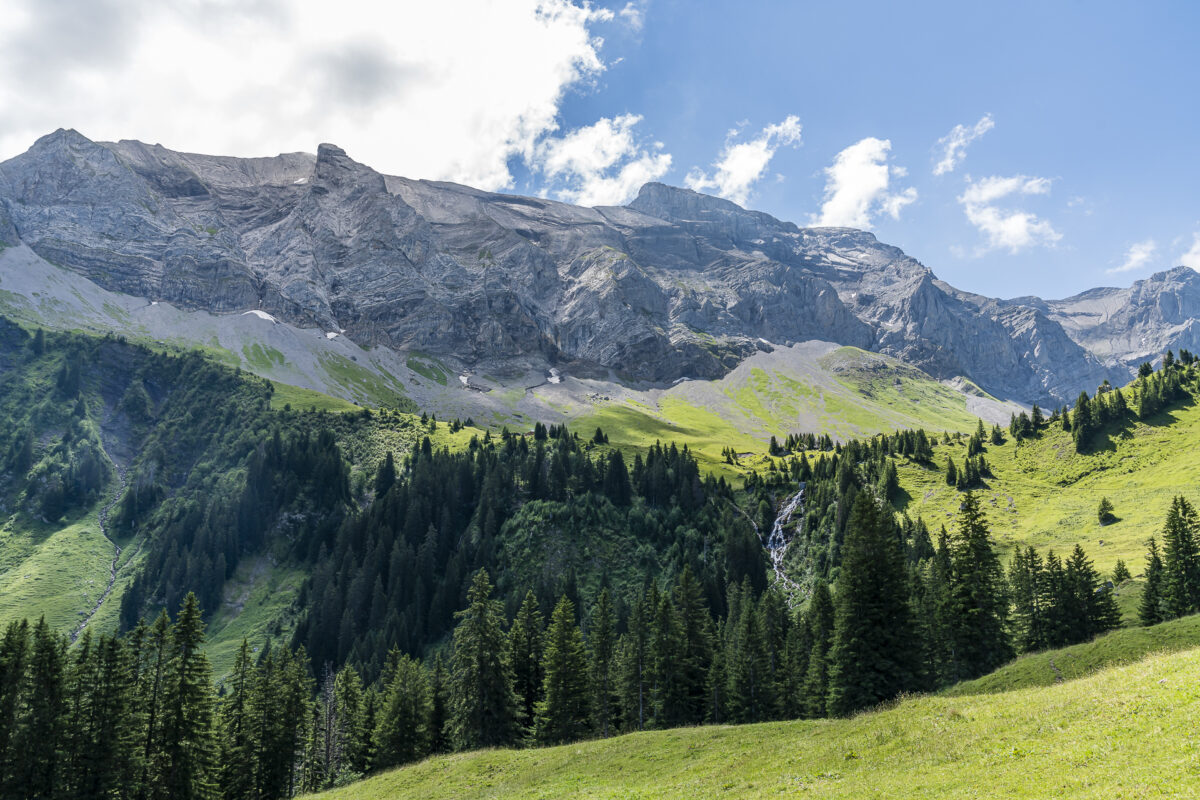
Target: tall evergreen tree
1181 559
189 768
1098 612
238 747
563 713
483 707
819 620
977 592
874 655
602 668
38 734
402 727
1150 611
525 657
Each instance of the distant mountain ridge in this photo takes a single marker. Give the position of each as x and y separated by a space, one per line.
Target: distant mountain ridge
676 284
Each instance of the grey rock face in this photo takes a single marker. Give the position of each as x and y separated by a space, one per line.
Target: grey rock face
1125 327
677 284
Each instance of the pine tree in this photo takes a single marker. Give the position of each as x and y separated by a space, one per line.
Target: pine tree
402 727
874 655
483 707
189 746
1150 611
347 756
1120 573
1105 512
665 658
977 593
1085 422
14 655
951 472
1026 579
563 713
747 695
633 654
1099 607
38 733
524 653
820 624
695 635
602 669
238 746
385 477
1181 560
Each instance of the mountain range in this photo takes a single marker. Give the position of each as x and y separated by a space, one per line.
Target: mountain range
673 285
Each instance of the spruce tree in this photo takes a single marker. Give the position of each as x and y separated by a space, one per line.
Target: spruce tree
1181 559
1099 606
402 727
37 737
874 656
977 592
14 654
238 746
524 652
350 736
633 654
562 715
602 668
748 698
189 746
819 622
483 707
695 640
1150 610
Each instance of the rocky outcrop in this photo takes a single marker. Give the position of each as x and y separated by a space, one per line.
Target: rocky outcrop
1128 326
676 284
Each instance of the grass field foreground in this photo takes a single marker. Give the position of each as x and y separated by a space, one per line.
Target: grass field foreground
1125 732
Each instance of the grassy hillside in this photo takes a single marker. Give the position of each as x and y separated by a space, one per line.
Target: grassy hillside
813 387
1116 648
1126 732
1045 494
135 414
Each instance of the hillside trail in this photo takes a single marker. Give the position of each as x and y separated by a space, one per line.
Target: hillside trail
777 541
102 519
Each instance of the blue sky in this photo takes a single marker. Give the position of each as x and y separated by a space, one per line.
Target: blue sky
1073 125
1101 100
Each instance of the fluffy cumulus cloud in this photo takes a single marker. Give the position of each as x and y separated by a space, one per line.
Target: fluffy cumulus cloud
741 165
953 145
434 90
601 164
858 186
1007 228
1192 257
1137 257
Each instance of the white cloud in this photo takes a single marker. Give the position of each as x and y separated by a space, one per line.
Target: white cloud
741 164
433 90
857 186
601 164
634 15
1007 229
954 144
1192 257
1137 257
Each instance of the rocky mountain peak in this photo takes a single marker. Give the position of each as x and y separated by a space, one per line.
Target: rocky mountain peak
676 284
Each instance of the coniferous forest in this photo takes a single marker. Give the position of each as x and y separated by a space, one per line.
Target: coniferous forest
525 589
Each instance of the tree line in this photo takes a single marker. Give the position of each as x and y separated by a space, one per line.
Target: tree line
137 716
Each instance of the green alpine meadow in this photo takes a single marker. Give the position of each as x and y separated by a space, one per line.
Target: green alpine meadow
599 399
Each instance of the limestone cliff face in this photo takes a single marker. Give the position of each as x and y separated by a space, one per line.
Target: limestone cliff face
676 284
1124 327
